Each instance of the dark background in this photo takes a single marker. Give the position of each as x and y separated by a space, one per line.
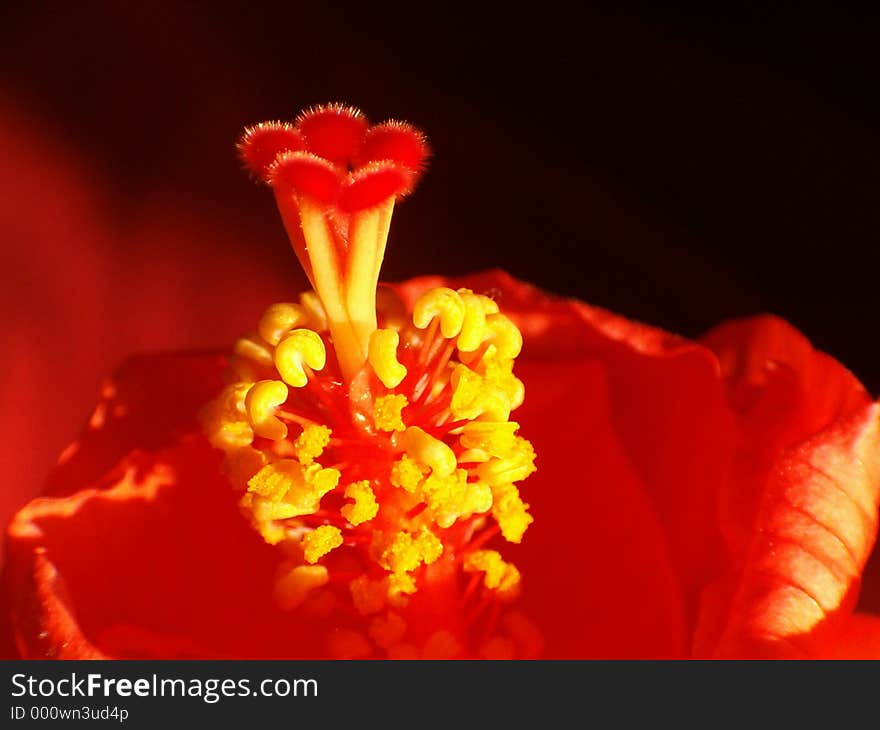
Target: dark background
677 168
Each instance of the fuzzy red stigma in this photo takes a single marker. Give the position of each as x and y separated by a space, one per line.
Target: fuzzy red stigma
333 131
262 143
306 174
398 142
373 184
336 181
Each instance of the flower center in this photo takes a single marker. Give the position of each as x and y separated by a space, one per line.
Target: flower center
372 444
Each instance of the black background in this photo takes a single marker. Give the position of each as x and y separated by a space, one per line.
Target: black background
677 168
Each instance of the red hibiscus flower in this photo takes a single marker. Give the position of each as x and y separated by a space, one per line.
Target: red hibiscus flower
712 499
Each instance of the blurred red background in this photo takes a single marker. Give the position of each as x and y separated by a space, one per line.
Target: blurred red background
679 170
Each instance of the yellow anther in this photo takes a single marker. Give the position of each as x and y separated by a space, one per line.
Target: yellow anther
387 412
264 514
294 586
399 586
387 631
429 450
275 480
402 555
296 491
253 347
512 467
474 396
490 306
321 541
383 357
405 553
473 329
225 419
473 456
300 347
443 303
368 595
311 443
495 438
452 497
510 512
279 319
499 575
321 480
261 402
499 372
504 335
407 474
311 303
365 506
429 545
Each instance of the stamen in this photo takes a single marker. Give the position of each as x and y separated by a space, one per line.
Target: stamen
321 541
383 357
301 347
429 450
280 319
443 303
261 402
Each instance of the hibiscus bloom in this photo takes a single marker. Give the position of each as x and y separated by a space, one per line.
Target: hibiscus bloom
711 498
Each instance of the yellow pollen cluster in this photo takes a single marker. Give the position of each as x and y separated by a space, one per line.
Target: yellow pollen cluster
452 497
311 443
403 555
499 575
406 551
321 541
387 412
408 474
365 506
285 489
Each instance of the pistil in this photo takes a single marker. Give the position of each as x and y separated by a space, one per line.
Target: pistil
371 444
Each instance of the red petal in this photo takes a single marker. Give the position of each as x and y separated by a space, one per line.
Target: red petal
598 576
334 131
157 562
395 141
814 530
798 510
149 403
857 638
262 143
373 185
306 174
